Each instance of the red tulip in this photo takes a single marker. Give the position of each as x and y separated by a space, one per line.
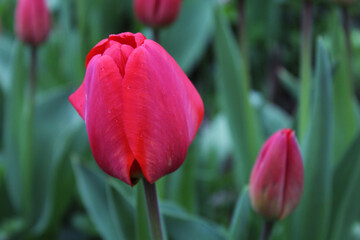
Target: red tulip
32 21
157 13
276 182
140 109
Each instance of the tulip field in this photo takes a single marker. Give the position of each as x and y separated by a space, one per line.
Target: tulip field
179 120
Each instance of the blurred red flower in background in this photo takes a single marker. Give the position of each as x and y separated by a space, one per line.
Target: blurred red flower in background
157 13
32 21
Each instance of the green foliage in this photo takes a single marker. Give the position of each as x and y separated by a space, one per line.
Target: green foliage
13 108
239 221
313 214
345 105
98 198
345 194
234 92
51 188
196 20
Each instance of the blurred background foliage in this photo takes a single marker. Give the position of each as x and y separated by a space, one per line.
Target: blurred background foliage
247 97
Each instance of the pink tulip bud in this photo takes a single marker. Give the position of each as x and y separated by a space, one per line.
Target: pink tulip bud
32 21
277 179
157 13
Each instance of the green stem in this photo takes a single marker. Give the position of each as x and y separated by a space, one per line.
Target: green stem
242 35
267 230
156 35
27 139
33 72
153 210
305 65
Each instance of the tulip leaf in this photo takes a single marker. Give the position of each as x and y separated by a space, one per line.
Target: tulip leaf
58 130
239 222
290 82
346 109
92 186
234 92
121 211
215 143
12 122
181 225
346 192
313 214
195 20
5 209
274 118
5 64
180 184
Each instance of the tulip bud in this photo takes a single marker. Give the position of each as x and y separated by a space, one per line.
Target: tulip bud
157 13
32 21
276 182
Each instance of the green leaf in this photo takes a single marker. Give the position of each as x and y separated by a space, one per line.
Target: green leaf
53 177
239 222
313 214
273 117
5 65
289 82
346 109
234 92
181 225
12 123
5 206
180 185
306 77
121 210
346 192
92 187
186 40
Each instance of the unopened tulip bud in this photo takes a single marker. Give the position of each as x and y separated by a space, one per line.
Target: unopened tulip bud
32 21
276 182
157 13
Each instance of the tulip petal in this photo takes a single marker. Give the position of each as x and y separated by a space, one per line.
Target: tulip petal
145 10
98 49
162 110
104 118
32 21
293 188
271 167
167 11
77 99
133 40
119 53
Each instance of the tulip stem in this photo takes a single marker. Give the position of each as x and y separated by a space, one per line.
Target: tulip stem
266 230
33 73
156 35
153 210
27 139
242 35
